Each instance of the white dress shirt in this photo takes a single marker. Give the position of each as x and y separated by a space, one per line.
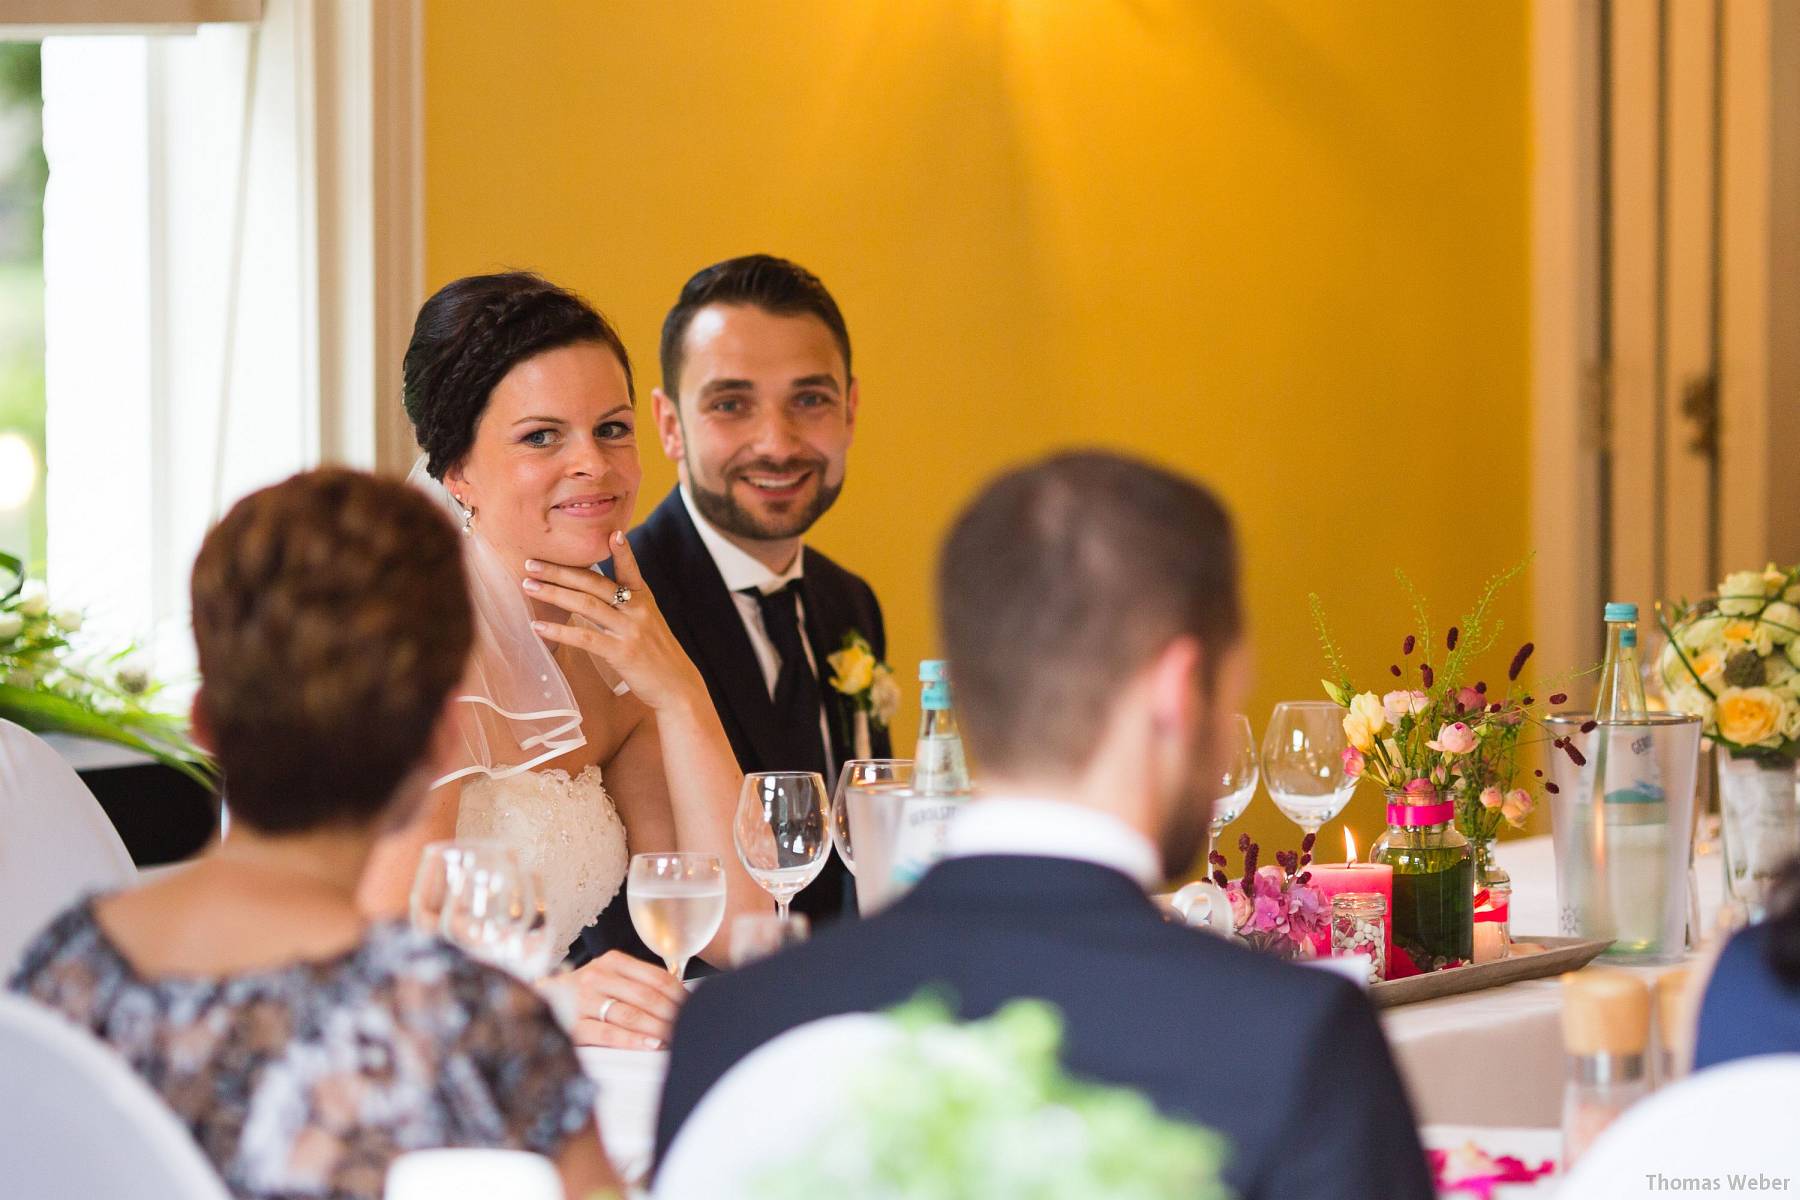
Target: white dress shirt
1051 829
742 570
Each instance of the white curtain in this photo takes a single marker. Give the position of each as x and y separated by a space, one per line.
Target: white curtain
180 306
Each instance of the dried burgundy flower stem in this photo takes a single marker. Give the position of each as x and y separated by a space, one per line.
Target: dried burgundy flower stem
1425 672
1406 647
1450 638
1560 698
1518 662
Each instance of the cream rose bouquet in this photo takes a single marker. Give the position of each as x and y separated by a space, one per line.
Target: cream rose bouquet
1733 660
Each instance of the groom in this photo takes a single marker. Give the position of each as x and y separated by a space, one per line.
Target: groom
757 409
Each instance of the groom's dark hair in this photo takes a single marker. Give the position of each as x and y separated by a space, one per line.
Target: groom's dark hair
1063 579
763 281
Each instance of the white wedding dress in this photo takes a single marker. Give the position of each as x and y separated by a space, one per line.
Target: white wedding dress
566 830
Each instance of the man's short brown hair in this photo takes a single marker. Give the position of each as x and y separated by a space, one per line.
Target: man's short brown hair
1060 582
332 620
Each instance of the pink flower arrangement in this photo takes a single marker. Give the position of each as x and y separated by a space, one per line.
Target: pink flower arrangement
1443 734
1273 906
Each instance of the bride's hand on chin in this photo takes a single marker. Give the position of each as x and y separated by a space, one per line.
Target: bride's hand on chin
632 638
620 1001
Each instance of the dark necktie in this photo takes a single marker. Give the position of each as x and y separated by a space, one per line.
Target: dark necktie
796 687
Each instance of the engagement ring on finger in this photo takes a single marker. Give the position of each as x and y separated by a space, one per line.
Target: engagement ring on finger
605 1008
621 594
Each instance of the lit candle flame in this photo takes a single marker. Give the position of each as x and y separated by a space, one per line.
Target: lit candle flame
1349 846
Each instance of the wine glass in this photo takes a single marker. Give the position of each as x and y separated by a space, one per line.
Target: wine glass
676 903
1303 762
442 866
535 953
782 831
858 772
1237 783
489 911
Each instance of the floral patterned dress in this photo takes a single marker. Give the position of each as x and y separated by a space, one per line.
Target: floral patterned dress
307 1080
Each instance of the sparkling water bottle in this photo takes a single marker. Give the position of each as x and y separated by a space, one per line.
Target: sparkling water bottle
940 779
1627 817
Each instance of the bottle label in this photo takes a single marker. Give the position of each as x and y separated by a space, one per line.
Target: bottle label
939 766
936 695
923 836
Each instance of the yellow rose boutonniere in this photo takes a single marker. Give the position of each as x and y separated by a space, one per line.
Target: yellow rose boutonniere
865 679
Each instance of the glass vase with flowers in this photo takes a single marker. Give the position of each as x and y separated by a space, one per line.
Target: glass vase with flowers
1436 744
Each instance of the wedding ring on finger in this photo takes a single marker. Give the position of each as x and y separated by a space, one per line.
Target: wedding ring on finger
620 597
605 1007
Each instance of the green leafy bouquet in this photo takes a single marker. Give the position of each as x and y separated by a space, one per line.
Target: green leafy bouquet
47 688
984 1111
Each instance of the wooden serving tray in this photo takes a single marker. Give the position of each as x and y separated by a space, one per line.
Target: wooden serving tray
1559 954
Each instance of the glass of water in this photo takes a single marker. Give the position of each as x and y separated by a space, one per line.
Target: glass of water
676 903
782 831
1303 762
442 868
490 911
861 772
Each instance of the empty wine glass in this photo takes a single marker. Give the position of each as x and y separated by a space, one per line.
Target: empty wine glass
1303 762
1237 783
442 866
676 903
857 772
490 911
781 831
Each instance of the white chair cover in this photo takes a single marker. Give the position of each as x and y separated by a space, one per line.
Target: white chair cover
736 1134
472 1175
1733 1125
58 842
79 1122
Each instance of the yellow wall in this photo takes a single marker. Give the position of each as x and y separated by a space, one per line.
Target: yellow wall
1281 246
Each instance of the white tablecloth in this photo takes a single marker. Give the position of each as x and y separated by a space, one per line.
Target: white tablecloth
630 1083
1487 1059
1494 1058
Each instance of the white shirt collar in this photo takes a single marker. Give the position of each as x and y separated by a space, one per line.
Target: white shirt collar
740 568
1050 829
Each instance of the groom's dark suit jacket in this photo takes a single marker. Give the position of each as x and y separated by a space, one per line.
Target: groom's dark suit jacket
694 600
1287 1062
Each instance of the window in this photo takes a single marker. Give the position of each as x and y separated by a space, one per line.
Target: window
216 308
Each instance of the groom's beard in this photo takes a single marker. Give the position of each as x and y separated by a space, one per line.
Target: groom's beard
1186 828
728 515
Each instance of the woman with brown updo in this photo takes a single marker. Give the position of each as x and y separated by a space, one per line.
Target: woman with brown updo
588 735
304 1047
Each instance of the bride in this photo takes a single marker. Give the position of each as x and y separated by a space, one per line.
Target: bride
588 734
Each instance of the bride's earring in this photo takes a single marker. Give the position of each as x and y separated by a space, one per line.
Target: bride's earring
468 517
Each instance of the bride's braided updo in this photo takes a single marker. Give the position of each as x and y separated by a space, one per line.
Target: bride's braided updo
470 334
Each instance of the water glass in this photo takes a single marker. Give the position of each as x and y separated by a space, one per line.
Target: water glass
861 772
676 903
782 831
489 912
1622 820
442 868
758 935
1303 762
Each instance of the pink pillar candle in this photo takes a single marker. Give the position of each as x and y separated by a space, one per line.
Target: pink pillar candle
1330 879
